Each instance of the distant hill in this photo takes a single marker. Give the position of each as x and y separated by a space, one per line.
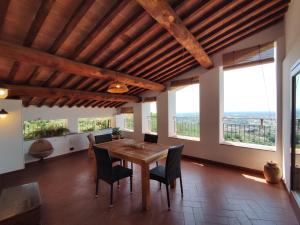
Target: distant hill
237 114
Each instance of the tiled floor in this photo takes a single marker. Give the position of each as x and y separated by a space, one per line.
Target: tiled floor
212 195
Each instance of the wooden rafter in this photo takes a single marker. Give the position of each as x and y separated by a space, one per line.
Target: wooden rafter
228 32
231 37
36 25
54 93
163 13
3 10
33 56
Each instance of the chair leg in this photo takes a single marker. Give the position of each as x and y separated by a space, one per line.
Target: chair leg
130 184
168 195
131 165
111 195
97 183
181 186
156 163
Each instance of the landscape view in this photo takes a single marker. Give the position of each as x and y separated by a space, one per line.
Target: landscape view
246 127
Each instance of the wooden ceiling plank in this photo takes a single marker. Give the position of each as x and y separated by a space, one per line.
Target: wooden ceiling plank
174 58
95 104
102 104
54 102
169 50
163 13
89 103
245 34
3 11
119 105
66 31
229 41
234 38
108 17
43 92
121 32
35 27
29 55
161 38
138 61
76 17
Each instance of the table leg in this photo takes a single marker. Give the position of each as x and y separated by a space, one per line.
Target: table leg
146 200
173 184
125 163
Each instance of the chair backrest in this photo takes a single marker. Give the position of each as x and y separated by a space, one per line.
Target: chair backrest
103 138
104 163
151 138
173 167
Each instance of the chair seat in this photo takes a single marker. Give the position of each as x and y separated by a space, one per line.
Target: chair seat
120 172
115 159
158 173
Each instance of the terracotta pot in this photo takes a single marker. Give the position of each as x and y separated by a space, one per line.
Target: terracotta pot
41 149
272 172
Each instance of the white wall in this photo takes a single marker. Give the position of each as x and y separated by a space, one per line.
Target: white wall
11 138
292 49
62 145
208 147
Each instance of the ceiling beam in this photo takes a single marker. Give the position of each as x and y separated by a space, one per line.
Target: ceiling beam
33 56
163 13
54 93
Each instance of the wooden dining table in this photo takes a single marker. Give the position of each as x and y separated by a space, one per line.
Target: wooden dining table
141 153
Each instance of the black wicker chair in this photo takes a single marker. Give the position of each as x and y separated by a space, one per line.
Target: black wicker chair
151 138
108 173
106 138
170 172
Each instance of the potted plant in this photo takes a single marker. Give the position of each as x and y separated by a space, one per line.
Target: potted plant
116 133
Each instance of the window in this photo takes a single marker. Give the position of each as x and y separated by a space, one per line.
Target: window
248 114
33 129
93 124
184 115
149 113
125 120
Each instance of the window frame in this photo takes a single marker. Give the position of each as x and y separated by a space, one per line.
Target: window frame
245 145
172 111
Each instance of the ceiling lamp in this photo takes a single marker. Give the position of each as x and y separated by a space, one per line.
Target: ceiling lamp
117 88
3 113
3 93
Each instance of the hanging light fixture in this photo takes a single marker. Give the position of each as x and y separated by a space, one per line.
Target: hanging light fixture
3 113
3 93
117 88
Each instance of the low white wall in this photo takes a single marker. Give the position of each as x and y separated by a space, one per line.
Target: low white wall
62 145
209 147
11 137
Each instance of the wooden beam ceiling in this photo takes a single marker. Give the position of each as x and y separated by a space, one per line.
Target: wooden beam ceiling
121 36
54 93
163 13
36 57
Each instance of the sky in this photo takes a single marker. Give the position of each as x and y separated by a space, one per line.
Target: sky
153 107
251 89
187 99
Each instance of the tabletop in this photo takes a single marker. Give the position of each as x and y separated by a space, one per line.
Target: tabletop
136 151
